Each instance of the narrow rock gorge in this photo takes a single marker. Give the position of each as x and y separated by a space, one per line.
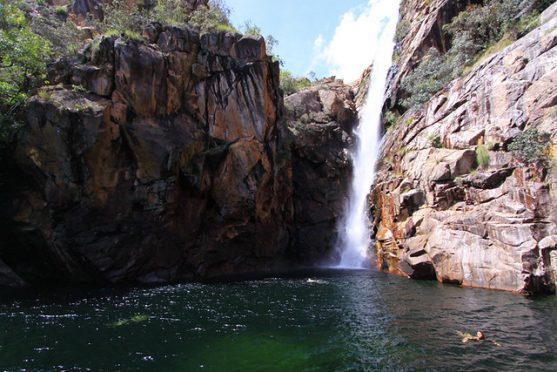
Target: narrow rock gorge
176 157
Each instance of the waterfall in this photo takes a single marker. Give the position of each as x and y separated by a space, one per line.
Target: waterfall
354 240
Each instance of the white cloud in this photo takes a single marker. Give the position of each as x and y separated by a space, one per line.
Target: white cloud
353 44
318 43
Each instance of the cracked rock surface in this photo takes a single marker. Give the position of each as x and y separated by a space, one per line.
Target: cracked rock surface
438 213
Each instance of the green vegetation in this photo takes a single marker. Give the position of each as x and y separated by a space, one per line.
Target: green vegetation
22 64
482 156
64 36
122 18
79 88
290 84
427 79
402 30
82 106
531 146
389 119
472 32
44 95
129 19
435 141
212 18
270 41
61 10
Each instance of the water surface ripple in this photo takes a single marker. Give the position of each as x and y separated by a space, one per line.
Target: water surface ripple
327 320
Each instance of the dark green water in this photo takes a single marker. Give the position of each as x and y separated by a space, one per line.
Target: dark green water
360 320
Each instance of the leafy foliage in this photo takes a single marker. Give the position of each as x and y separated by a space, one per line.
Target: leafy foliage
61 10
402 30
472 32
129 19
389 119
212 18
122 18
22 63
64 36
427 79
530 147
290 84
252 29
482 156
435 141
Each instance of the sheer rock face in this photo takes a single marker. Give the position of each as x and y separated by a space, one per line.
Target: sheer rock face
320 121
170 160
438 213
167 169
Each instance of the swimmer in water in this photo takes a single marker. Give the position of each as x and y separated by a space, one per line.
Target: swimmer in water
466 337
478 337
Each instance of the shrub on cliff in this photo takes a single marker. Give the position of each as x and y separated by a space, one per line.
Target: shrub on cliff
215 17
389 119
402 29
290 84
472 32
252 29
482 156
530 147
427 79
64 36
129 18
122 17
22 64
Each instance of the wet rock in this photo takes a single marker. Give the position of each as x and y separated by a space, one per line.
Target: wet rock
320 121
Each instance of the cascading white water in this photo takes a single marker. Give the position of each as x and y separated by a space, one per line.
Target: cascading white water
354 240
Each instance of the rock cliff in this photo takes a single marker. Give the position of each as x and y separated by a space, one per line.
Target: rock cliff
442 212
172 159
166 169
320 121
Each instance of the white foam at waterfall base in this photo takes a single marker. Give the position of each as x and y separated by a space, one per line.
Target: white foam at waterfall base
354 240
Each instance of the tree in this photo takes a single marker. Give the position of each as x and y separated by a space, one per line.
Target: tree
530 147
22 63
65 38
290 84
213 18
250 28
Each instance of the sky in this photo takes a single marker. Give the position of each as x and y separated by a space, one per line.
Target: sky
328 37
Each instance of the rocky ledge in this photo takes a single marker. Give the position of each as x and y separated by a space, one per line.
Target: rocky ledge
439 213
